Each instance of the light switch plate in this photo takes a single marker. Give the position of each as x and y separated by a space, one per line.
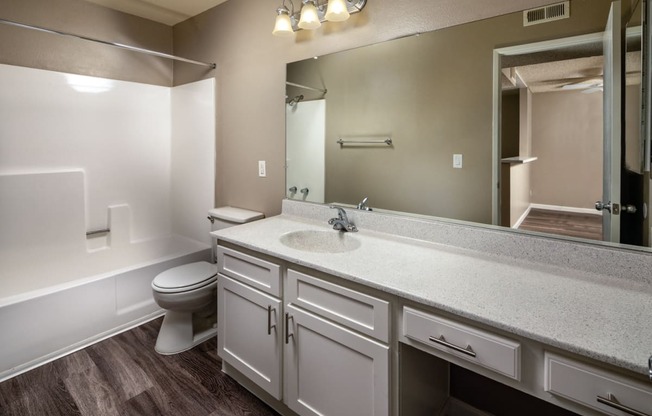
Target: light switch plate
457 161
262 170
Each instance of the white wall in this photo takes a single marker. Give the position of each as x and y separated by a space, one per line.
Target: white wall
567 139
193 158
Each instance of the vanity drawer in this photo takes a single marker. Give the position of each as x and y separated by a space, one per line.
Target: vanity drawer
585 384
477 346
250 270
358 311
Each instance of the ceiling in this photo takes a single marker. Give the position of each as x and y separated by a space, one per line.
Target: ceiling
572 74
169 12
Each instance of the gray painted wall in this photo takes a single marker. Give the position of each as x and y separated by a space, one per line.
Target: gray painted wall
29 48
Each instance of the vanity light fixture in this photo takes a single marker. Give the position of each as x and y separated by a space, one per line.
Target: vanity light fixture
313 13
309 17
283 25
336 11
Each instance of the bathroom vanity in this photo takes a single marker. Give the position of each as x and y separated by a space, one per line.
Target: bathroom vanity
316 321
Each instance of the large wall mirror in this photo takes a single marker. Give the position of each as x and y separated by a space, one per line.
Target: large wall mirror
409 124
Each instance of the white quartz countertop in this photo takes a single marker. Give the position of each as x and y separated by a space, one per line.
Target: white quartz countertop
603 318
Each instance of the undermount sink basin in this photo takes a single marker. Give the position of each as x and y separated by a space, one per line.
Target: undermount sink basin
320 241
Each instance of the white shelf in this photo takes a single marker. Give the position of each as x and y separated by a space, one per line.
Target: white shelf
518 160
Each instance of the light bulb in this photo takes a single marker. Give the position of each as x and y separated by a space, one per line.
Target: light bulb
309 17
337 11
283 25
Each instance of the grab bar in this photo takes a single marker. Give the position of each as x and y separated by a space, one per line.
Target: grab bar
93 233
387 141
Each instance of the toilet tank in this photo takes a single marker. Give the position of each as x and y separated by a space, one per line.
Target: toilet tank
224 217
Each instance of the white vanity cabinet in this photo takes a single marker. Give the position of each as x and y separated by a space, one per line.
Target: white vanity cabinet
317 347
249 338
249 330
331 369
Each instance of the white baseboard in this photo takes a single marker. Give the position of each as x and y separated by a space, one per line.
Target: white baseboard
591 211
522 217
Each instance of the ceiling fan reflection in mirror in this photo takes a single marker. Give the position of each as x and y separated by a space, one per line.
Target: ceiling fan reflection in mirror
587 85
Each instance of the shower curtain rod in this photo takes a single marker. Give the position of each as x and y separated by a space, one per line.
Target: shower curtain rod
104 42
307 88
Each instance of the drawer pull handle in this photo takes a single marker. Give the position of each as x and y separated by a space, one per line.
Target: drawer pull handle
269 320
287 328
442 341
611 401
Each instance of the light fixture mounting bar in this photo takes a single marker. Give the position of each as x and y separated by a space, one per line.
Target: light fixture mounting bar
353 6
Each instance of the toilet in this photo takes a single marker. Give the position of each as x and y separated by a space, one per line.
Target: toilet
188 292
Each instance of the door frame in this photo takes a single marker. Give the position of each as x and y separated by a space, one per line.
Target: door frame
498 53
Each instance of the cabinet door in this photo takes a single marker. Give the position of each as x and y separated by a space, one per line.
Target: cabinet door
332 371
248 336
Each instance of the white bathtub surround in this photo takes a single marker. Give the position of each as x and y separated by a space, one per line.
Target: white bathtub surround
193 159
561 303
79 154
136 144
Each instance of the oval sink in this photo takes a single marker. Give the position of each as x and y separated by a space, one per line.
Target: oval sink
320 241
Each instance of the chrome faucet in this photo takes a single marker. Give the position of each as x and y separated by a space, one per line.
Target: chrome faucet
341 223
363 205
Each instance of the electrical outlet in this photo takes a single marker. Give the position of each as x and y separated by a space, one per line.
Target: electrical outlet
262 170
457 161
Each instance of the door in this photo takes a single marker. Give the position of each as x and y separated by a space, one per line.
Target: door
623 214
612 126
249 337
353 380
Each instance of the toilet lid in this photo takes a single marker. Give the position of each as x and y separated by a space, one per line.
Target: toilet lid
186 276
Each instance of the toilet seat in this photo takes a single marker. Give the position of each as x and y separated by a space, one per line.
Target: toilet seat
185 278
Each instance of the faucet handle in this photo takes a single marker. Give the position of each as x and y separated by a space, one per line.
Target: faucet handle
340 212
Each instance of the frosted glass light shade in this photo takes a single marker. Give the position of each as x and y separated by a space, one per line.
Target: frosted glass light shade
337 11
283 25
309 18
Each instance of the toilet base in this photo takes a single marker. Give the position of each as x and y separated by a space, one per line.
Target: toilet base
177 333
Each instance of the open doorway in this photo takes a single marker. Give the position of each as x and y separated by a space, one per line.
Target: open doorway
551 153
551 134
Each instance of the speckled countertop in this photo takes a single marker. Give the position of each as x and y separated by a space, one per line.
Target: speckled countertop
582 312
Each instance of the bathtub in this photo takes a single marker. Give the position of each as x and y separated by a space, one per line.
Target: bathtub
85 301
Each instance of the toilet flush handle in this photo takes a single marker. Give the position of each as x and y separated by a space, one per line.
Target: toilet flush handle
211 219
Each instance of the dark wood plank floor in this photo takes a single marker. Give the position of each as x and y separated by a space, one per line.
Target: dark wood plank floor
564 223
123 375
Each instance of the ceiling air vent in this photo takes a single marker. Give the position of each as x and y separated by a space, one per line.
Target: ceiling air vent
545 14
